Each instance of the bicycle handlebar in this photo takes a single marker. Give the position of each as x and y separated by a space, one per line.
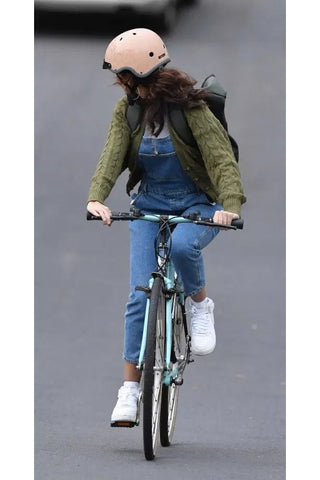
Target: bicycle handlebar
236 224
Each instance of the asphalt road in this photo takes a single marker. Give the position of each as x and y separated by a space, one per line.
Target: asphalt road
231 423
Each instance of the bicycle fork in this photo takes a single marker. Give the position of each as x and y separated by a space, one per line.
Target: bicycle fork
169 375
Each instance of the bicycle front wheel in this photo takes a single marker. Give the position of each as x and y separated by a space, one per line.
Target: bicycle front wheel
153 369
170 394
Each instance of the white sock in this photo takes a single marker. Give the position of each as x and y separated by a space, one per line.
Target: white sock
131 384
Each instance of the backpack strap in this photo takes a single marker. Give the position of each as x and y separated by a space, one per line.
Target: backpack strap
176 118
133 115
179 123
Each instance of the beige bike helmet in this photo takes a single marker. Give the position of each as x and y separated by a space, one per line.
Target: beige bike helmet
140 51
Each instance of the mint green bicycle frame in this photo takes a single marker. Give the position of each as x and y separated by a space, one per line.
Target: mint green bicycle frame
169 280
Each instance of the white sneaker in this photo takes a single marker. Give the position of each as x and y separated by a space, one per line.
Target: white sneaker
203 337
125 412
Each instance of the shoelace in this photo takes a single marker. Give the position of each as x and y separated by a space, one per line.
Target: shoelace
125 394
199 321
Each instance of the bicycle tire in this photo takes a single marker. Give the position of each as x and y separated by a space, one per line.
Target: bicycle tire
153 370
170 394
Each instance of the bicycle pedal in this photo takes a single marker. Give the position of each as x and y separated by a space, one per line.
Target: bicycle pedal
123 424
146 290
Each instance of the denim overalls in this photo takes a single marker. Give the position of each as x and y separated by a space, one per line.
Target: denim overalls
166 189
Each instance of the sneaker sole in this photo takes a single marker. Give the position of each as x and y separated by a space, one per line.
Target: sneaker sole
202 353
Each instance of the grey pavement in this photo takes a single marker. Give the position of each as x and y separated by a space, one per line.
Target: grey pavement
231 423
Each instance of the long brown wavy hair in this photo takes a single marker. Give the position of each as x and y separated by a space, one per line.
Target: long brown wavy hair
164 88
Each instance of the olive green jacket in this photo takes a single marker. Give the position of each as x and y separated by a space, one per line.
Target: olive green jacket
212 167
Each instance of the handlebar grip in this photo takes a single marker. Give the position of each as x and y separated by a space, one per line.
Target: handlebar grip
90 216
238 223
114 216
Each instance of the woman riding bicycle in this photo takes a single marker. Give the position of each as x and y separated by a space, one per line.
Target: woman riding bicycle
174 179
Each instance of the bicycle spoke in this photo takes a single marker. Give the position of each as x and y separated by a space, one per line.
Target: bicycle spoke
170 394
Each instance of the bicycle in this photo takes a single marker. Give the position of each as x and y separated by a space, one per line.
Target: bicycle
166 343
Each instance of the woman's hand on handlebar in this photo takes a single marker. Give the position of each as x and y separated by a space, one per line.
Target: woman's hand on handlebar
100 210
224 217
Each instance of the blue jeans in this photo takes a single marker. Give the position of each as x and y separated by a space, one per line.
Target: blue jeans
165 189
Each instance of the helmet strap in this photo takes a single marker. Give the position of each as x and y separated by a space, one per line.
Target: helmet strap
133 95
132 98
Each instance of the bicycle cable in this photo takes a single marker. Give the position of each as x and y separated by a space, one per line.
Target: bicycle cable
165 226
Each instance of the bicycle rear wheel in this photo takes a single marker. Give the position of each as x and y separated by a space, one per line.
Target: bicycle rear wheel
170 394
153 369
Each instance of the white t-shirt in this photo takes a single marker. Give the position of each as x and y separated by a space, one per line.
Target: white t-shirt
164 132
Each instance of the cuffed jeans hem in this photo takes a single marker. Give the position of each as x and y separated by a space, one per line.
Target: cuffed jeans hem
195 292
129 360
